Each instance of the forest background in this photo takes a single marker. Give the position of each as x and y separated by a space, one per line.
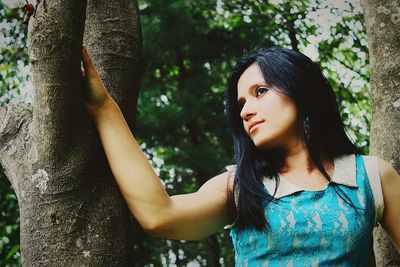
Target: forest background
189 48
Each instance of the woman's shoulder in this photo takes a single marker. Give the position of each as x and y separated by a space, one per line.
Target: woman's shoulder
222 181
230 168
390 179
384 167
384 180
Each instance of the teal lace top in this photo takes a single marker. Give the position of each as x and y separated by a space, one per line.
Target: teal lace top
317 228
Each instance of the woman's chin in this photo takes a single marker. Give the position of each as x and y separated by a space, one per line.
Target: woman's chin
263 144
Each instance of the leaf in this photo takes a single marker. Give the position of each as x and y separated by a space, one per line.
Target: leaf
13 250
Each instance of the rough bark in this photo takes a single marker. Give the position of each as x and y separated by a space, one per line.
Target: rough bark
383 31
71 210
114 39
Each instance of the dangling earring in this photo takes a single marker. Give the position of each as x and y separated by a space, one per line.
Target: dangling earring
306 127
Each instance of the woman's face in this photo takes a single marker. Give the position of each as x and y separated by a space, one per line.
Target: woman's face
273 114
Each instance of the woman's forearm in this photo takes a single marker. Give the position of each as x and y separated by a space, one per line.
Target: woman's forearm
139 184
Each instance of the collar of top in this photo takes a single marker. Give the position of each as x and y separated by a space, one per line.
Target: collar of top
344 173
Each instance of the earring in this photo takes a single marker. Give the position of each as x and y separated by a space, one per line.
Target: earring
306 127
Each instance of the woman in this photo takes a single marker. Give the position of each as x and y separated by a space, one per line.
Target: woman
299 193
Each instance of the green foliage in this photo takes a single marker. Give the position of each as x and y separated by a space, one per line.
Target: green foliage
13 55
344 57
189 49
13 59
9 225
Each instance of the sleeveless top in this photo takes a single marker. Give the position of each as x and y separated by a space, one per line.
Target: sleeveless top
317 228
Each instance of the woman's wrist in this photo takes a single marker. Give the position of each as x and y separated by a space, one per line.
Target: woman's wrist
98 111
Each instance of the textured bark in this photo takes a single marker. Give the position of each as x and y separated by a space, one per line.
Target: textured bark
114 39
383 31
71 210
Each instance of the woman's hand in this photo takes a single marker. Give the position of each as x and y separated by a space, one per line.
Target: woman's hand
95 93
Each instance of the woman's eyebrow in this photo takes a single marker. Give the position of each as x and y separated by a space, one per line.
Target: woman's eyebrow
241 98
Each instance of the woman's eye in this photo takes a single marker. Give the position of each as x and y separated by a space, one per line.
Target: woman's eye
260 90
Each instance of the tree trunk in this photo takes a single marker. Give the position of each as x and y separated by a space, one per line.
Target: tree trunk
383 31
71 210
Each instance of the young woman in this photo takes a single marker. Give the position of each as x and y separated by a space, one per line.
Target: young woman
299 193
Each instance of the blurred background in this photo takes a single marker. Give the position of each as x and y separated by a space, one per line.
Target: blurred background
189 49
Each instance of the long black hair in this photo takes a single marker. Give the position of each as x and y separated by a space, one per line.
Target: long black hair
302 80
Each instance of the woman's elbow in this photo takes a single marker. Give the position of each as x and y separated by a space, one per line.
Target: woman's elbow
153 228
157 228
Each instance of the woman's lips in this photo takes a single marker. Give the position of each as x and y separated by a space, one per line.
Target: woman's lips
253 125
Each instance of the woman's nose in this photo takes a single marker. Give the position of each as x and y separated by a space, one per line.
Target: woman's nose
247 112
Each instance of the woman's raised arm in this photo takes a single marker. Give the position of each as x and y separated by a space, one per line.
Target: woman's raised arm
391 196
189 216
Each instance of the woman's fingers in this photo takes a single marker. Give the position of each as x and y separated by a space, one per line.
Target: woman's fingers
89 68
93 88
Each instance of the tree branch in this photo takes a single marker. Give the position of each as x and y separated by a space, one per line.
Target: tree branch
15 140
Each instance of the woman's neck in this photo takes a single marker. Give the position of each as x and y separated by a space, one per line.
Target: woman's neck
296 159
